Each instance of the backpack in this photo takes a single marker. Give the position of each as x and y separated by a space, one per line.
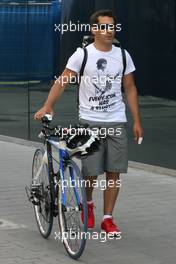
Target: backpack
88 40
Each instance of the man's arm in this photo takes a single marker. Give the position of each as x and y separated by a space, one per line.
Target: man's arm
56 90
132 99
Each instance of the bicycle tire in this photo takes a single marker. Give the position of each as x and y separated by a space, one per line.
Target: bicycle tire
63 215
45 204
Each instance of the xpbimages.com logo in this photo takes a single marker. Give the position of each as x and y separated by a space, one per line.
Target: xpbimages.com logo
82 27
101 132
72 235
89 80
102 184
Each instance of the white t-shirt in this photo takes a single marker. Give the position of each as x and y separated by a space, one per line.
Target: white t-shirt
100 97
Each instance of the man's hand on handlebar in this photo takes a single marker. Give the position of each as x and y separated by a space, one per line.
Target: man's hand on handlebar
43 111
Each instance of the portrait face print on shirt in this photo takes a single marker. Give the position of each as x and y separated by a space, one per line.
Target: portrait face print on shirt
101 64
102 79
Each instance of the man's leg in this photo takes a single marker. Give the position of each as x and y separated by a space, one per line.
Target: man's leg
111 192
110 196
89 181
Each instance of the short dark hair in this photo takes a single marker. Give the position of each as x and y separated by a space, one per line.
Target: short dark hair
100 62
105 12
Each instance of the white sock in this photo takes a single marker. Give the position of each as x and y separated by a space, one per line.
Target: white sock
90 202
106 216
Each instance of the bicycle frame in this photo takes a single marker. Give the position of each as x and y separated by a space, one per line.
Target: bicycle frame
63 156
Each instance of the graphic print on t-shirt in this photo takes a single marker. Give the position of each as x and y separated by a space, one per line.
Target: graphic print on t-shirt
102 81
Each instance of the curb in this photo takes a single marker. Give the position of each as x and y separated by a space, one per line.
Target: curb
152 168
132 164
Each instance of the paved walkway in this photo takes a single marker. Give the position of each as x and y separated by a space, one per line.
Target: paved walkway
146 214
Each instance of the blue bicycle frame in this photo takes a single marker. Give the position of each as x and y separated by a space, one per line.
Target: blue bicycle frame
63 159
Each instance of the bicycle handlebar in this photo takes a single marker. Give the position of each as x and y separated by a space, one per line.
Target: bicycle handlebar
58 131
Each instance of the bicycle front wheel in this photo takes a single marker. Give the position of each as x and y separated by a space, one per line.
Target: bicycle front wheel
43 205
73 210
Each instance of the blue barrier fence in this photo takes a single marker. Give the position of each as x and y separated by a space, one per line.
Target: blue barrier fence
28 43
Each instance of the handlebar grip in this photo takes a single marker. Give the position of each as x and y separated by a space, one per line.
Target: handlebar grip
47 118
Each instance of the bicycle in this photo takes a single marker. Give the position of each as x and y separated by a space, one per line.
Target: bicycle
50 196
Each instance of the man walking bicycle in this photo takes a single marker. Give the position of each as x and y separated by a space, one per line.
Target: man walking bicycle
101 105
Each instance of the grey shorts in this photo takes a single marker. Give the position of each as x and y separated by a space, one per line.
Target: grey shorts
112 155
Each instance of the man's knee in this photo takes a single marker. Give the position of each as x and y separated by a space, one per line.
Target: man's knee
112 175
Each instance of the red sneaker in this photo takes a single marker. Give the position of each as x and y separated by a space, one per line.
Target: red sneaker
91 218
109 227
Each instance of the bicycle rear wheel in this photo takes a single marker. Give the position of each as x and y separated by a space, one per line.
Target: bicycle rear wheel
73 229
42 197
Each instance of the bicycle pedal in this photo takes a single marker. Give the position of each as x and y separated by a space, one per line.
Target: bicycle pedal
35 187
36 191
33 194
34 202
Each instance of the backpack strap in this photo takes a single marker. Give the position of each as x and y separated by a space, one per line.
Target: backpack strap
82 72
117 44
83 63
123 60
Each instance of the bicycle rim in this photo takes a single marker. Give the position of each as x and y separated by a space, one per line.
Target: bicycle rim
43 211
73 230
